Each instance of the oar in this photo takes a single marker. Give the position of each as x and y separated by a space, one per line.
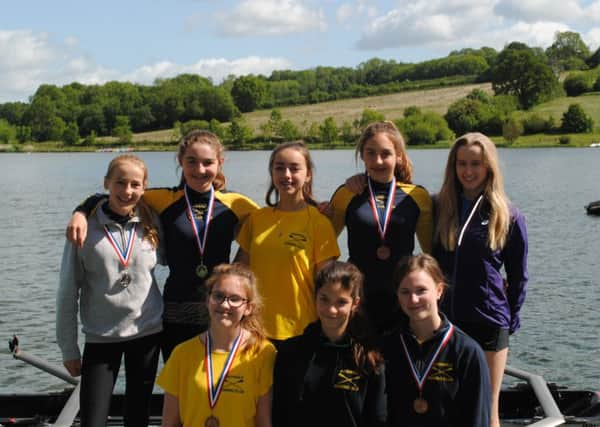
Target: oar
39 363
70 410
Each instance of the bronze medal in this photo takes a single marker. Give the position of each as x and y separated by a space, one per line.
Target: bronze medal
125 279
212 421
420 405
383 252
201 271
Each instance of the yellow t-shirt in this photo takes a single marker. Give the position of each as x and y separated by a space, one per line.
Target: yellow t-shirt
284 248
250 377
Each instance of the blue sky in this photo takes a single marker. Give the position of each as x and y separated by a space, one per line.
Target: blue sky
62 41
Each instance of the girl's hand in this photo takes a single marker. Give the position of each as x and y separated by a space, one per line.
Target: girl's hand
356 184
77 229
73 367
325 209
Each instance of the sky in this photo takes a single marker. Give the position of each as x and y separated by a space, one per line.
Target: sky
92 42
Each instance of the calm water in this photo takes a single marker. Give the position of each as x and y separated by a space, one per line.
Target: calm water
559 336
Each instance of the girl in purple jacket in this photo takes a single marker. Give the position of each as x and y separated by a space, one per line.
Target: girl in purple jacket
478 233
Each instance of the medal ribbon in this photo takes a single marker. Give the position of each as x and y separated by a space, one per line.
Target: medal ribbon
420 378
215 390
207 218
124 254
387 213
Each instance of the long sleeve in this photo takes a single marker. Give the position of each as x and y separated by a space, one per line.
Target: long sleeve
67 302
375 409
474 395
515 264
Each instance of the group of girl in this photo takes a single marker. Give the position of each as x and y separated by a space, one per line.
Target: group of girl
329 366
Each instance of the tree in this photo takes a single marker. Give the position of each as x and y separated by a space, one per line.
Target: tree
574 120
369 116
248 92
122 130
71 134
7 132
328 131
522 71
239 132
568 52
512 128
466 115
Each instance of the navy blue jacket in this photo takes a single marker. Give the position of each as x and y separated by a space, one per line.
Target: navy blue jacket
317 383
478 292
457 390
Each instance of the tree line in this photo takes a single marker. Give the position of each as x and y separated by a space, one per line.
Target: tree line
523 75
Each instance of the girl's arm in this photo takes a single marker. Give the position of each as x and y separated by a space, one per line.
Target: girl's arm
515 264
263 409
170 414
77 226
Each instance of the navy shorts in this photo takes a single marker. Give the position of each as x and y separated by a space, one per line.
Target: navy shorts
489 337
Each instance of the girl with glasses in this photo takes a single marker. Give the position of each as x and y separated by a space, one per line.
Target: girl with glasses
223 376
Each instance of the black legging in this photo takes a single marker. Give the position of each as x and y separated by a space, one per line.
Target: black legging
99 371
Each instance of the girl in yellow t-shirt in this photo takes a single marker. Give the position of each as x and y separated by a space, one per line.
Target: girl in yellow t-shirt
222 377
286 242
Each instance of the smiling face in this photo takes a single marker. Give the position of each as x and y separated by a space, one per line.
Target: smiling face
222 314
200 164
289 174
335 307
471 171
418 295
380 157
125 183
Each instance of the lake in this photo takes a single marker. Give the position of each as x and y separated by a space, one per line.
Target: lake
559 336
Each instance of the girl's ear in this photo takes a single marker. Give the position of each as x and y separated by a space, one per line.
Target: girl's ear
439 289
106 182
355 304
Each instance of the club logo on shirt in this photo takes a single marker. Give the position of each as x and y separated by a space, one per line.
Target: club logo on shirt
296 240
347 379
234 384
442 372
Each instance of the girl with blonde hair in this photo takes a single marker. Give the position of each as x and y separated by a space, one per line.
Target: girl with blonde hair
479 232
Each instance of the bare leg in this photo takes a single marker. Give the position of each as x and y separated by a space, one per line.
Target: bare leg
496 361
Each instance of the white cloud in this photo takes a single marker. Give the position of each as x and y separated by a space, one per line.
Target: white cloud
28 60
216 68
425 24
592 38
539 10
270 18
592 12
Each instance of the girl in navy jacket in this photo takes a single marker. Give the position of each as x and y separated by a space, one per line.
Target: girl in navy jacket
436 375
330 375
478 234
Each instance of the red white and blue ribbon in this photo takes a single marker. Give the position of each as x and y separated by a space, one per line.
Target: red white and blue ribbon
207 218
214 390
387 213
421 377
124 254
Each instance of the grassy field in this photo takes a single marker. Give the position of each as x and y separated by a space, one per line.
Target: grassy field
392 106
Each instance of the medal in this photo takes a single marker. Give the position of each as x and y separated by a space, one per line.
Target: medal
211 421
214 390
123 253
125 279
420 405
201 270
383 252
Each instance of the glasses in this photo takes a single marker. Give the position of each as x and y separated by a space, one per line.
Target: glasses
234 301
